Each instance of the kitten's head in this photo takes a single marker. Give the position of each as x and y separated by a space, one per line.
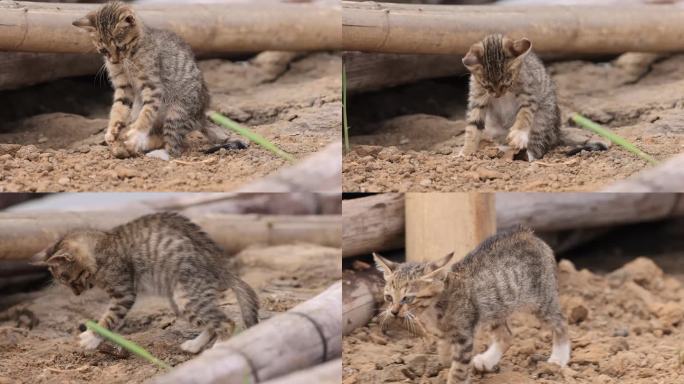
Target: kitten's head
114 30
411 287
71 260
495 62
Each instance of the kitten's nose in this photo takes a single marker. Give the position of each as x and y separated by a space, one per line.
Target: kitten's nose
395 312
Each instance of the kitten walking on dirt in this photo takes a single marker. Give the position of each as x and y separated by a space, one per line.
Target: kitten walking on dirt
511 97
159 93
163 254
510 271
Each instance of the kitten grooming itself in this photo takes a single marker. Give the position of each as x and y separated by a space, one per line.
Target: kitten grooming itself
510 271
159 93
511 97
164 254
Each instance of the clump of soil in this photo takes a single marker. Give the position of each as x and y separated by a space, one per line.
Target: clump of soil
47 351
293 100
626 327
396 147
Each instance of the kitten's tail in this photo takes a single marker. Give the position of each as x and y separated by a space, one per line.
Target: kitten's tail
581 141
248 301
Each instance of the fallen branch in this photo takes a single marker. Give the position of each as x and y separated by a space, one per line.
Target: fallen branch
373 223
328 373
306 335
23 235
452 29
238 27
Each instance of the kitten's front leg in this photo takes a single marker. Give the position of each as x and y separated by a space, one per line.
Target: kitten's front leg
475 124
519 134
138 136
122 298
461 354
123 101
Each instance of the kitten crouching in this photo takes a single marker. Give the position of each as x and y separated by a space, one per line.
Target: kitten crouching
162 254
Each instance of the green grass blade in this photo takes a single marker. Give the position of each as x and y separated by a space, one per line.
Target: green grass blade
619 140
344 108
127 344
251 135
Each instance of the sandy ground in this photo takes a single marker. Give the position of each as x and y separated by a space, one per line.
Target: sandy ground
283 276
625 327
408 138
53 135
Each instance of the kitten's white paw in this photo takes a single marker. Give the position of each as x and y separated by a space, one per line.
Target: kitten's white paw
530 157
518 139
195 345
137 141
160 154
109 137
89 340
488 360
560 354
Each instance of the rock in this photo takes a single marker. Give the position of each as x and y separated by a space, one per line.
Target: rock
622 332
393 373
578 312
367 150
671 313
642 271
63 181
29 152
5 157
9 149
125 172
566 266
618 345
417 363
389 154
489 174
426 182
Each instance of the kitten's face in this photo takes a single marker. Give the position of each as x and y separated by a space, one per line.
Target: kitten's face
411 287
113 29
495 62
70 262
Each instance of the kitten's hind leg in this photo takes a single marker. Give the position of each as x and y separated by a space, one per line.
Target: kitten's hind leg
200 308
488 360
177 124
219 136
560 352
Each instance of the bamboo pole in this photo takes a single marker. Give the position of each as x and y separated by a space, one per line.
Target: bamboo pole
249 27
307 335
23 235
440 223
452 29
372 223
328 373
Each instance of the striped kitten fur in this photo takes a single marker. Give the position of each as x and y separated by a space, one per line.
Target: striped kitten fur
163 254
511 97
159 93
510 271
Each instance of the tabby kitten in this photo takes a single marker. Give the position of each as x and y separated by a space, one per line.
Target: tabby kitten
159 92
163 254
510 271
511 97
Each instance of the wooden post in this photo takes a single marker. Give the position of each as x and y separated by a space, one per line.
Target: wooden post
439 223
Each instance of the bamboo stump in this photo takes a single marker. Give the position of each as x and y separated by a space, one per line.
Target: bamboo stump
440 223
307 335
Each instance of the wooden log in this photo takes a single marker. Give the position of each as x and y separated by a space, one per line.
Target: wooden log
240 27
361 293
541 211
374 223
667 177
328 373
307 335
452 29
21 69
24 234
560 211
440 223
320 172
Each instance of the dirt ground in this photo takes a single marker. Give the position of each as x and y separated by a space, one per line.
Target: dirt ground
52 135
408 138
283 276
625 327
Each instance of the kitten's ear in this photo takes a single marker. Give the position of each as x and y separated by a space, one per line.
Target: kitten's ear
387 267
41 258
474 56
437 264
87 23
59 258
519 48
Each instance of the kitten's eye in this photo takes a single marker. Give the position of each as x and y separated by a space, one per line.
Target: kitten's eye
388 298
104 52
64 276
407 299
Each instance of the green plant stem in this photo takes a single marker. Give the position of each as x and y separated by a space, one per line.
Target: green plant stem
344 108
619 140
127 344
251 135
